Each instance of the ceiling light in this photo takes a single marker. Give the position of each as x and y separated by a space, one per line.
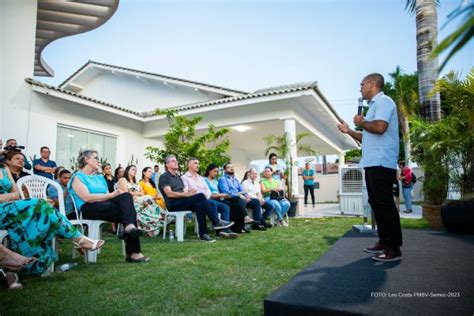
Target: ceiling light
241 128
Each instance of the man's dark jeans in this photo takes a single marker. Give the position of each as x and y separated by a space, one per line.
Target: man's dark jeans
196 203
379 182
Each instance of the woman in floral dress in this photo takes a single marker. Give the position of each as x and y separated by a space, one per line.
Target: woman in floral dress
32 225
150 217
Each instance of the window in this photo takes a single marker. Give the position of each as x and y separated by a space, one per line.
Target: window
70 140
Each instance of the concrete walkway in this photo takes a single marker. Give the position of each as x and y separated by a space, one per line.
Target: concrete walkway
332 209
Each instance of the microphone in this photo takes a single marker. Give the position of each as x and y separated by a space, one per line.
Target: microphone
359 112
359 107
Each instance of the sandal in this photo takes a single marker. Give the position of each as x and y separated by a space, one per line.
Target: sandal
15 258
82 247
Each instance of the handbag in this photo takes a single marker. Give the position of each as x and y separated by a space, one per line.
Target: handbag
277 195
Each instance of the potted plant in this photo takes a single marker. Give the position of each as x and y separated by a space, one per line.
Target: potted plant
445 148
281 145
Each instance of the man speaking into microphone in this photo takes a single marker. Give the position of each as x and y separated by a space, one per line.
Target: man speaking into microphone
380 146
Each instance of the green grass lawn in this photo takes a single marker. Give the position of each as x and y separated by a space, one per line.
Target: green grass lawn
226 277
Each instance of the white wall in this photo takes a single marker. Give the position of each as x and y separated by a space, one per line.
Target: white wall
328 187
17 34
141 94
240 162
47 112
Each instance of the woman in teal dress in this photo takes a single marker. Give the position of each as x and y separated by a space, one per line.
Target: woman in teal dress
32 225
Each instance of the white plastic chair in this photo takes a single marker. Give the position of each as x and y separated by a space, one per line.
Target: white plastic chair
37 188
180 224
273 218
93 232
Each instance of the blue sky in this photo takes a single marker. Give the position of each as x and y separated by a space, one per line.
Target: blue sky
249 45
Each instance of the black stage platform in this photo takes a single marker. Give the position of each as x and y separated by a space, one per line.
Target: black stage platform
436 277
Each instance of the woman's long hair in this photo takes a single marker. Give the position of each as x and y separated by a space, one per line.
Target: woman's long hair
209 168
143 177
125 174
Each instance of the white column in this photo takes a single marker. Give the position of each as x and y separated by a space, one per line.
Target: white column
290 129
342 160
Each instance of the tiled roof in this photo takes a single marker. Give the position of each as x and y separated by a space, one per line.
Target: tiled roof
47 86
257 94
161 77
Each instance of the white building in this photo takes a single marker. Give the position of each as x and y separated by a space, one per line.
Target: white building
111 108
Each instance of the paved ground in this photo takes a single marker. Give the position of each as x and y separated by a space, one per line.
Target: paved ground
322 210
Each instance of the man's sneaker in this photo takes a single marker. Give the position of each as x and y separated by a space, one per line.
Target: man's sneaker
377 248
408 211
223 225
207 238
388 256
268 225
228 234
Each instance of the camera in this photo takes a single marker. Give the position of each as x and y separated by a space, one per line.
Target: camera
13 148
7 150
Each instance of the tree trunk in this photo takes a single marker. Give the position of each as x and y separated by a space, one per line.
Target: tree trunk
426 42
406 141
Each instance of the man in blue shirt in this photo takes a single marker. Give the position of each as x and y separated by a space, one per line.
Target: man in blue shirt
43 166
380 145
239 201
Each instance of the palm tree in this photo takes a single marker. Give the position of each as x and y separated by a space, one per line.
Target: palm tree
404 92
281 145
462 35
427 64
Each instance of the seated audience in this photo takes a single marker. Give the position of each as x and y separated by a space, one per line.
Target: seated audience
239 199
149 187
177 199
44 166
252 187
109 178
269 185
90 193
118 173
32 225
63 180
15 162
193 181
150 217
57 171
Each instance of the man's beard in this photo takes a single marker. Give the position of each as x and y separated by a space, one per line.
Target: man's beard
230 173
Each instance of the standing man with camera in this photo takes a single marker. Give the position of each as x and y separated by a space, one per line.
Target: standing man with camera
11 144
44 166
380 146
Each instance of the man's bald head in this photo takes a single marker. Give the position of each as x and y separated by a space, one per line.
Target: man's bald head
377 79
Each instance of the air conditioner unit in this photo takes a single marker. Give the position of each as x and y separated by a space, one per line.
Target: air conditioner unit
351 190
